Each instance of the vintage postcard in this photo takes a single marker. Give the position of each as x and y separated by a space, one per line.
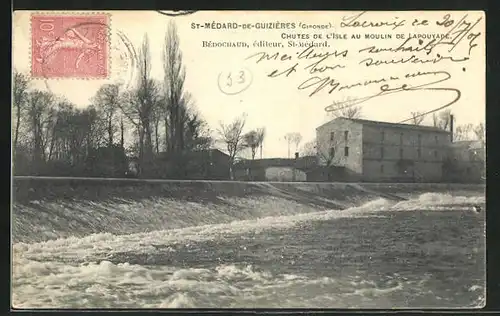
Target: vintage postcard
233 159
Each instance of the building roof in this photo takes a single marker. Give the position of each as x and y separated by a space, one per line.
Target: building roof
215 150
390 125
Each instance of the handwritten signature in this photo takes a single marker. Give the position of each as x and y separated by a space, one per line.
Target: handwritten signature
331 84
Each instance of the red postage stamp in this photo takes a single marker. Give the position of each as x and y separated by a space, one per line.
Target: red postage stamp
69 46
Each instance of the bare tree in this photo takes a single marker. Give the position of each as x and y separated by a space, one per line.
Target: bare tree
157 115
197 133
61 139
183 116
232 136
331 148
463 132
442 119
417 118
297 139
138 105
122 133
345 109
252 142
352 112
289 137
147 95
39 113
97 134
293 138
261 134
73 133
329 151
60 130
480 133
309 149
174 76
107 100
20 94
72 130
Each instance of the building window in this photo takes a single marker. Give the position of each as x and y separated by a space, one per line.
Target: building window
419 153
382 136
436 139
382 152
332 152
468 170
419 140
401 139
381 168
435 153
332 135
401 153
346 135
346 151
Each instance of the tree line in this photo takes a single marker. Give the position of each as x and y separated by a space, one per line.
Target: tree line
51 136
235 141
442 120
152 123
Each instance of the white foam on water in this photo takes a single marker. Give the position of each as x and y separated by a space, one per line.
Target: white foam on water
178 300
52 219
100 246
123 285
59 281
103 244
440 202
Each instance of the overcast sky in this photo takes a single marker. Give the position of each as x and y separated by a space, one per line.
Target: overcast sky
276 103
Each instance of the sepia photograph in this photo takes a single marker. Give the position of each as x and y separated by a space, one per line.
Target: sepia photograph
248 159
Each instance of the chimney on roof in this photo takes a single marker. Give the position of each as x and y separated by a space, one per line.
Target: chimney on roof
451 127
296 155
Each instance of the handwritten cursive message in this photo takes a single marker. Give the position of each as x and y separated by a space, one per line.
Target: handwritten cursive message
397 56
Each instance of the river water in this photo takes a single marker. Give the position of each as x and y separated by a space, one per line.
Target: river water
427 252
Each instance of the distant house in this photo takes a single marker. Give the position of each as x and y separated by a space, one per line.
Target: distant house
383 151
213 164
200 164
275 169
465 162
